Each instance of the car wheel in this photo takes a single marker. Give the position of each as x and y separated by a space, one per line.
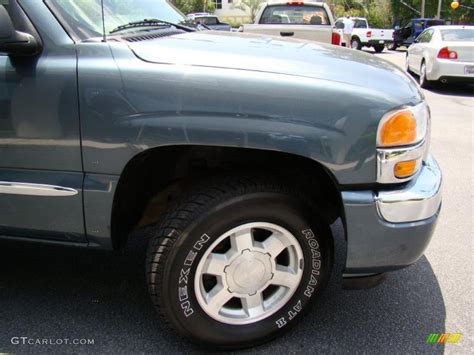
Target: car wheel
355 44
424 82
407 64
237 262
379 48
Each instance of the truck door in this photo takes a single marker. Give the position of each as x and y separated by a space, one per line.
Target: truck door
40 158
406 32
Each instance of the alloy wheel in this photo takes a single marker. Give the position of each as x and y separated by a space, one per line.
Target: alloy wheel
249 273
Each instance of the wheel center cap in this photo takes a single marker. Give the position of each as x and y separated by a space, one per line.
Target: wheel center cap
249 272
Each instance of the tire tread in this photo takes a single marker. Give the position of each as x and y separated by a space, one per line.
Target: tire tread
164 234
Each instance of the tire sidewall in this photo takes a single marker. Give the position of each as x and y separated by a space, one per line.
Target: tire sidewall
191 245
355 44
379 48
423 80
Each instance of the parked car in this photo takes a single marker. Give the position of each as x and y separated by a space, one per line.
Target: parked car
210 21
406 35
296 19
233 153
364 36
443 53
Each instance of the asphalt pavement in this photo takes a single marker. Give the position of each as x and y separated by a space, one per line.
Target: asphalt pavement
58 292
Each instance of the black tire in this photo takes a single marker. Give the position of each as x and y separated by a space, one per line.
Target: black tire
407 67
424 82
379 48
355 43
210 211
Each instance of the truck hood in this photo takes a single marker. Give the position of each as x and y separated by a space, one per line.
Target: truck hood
240 51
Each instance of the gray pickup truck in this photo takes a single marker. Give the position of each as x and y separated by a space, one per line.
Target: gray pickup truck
232 153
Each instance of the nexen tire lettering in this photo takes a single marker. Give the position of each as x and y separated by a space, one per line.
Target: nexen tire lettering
183 294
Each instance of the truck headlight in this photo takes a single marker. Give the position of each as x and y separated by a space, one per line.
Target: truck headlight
402 143
404 126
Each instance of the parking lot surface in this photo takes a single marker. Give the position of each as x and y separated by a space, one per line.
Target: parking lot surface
58 292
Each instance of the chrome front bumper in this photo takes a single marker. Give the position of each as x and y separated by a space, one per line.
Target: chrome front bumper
419 200
390 229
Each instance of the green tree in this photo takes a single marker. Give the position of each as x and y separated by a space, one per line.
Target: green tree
462 15
250 6
377 12
190 6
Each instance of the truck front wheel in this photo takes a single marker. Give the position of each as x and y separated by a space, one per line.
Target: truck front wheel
238 261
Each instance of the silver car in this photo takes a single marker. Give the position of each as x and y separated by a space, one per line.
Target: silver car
443 53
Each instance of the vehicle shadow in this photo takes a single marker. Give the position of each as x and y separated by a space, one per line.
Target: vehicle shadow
449 89
59 292
393 317
461 90
384 52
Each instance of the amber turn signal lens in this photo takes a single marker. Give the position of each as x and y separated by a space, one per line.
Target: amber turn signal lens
400 129
405 169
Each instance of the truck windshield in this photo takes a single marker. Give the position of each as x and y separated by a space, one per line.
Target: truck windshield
295 15
83 18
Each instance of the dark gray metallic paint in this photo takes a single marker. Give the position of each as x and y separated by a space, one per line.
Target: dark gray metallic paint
296 103
99 191
39 135
374 245
58 218
316 101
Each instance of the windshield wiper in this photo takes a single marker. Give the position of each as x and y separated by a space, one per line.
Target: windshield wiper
151 23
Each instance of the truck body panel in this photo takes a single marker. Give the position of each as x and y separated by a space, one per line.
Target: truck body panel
40 137
74 116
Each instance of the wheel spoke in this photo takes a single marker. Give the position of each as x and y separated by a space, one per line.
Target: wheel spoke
275 244
215 264
253 305
249 268
217 298
241 240
283 276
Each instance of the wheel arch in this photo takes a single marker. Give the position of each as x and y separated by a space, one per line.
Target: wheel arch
355 37
422 61
155 177
428 63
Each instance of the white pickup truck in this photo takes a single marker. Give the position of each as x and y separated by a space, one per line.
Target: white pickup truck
296 19
364 36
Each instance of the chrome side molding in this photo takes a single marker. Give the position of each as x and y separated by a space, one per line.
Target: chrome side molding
19 188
